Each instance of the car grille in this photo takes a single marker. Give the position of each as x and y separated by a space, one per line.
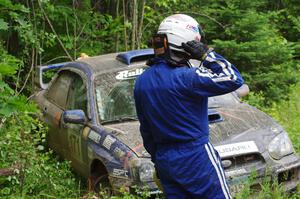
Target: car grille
287 180
288 175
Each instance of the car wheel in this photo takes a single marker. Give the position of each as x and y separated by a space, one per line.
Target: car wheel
103 187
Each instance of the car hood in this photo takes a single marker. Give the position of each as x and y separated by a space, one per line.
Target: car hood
129 134
239 124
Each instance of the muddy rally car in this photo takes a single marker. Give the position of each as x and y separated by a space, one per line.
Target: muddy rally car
90 110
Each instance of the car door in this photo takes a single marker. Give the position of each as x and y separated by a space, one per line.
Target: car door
54 105
76 147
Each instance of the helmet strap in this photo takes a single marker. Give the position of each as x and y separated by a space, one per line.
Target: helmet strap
179 58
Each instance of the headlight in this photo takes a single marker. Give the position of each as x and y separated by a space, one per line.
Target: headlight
280 146
146 171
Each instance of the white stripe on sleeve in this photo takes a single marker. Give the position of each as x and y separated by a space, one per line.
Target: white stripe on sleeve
226 67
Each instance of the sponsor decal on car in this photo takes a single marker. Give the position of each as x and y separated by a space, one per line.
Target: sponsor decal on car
239 148
108 141
94 136
119 152
120 173
129 74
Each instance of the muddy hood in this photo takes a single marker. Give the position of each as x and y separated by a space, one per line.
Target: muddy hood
238 124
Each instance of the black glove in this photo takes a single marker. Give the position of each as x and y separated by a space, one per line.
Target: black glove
196 49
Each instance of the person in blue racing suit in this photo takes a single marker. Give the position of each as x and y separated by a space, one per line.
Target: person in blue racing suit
172 106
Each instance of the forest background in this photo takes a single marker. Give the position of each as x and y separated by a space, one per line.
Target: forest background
260 37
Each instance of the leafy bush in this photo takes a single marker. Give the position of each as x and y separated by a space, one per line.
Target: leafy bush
22 136
36 174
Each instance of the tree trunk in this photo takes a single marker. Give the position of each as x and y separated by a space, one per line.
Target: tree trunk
134 24
117 36
140 28
125 21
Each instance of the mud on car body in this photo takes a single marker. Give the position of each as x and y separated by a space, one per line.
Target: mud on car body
90 110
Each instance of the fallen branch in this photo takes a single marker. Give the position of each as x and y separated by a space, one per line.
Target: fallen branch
10 171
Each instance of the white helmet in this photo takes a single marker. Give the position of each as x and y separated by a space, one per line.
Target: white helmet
180 28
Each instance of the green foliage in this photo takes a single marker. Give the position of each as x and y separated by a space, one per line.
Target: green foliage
22 136
263 188
287 113
63 29
266 188
9 101
3 25
256 99
81 31
254 45
8 64
36 174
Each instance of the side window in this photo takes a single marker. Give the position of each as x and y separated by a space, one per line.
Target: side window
58 89
77 97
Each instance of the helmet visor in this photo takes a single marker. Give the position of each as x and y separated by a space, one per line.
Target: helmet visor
201 32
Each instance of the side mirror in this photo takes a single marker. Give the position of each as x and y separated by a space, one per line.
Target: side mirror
242 91
74 117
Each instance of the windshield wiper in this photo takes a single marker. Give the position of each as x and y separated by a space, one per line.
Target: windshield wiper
118 120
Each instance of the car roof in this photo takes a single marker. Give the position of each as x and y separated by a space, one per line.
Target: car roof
112 61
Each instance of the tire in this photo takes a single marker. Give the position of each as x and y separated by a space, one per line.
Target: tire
102 186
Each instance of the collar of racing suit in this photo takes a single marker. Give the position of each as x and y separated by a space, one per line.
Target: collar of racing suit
170 62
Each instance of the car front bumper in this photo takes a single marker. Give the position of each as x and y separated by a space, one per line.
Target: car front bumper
285 172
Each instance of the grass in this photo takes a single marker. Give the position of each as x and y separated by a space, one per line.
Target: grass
287 113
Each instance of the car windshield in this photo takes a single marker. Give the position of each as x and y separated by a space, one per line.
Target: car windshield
114 95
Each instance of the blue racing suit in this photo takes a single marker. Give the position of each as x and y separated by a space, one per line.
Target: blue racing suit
172 107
